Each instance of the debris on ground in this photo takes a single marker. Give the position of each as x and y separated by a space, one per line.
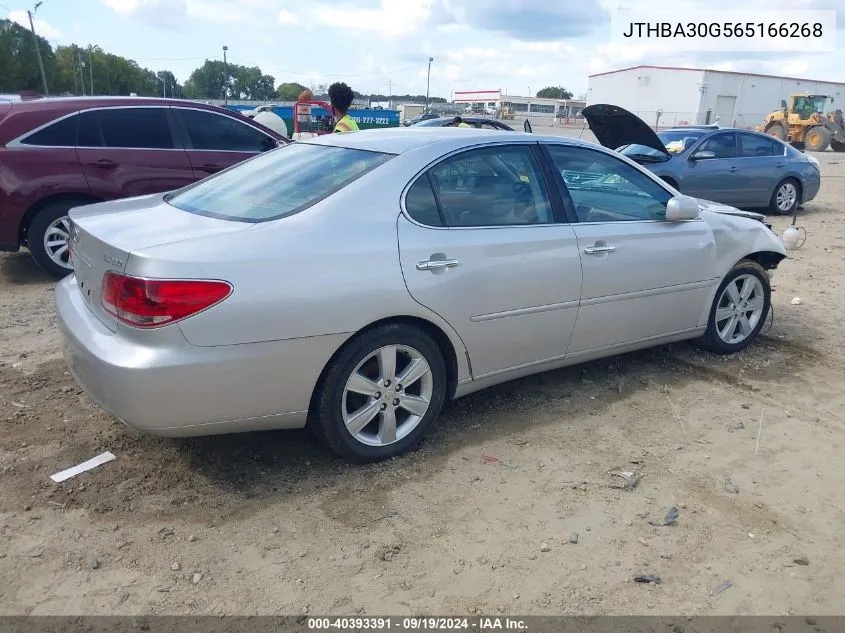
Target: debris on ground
195 579
648 579
796 301
489 459
573 538
175 567
624 479
545 547
723 587
731 487
801 560
84 466
736 426
671 517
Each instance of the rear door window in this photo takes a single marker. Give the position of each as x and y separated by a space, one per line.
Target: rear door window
217 132
757 145
62 133
128 128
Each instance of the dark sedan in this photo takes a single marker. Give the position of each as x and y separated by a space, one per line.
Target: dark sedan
476 122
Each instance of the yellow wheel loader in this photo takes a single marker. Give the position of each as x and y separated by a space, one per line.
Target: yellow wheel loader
802 123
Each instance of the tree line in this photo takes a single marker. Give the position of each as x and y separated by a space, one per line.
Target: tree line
89 70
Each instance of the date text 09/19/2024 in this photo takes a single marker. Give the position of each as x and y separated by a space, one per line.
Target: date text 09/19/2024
723 29
417 624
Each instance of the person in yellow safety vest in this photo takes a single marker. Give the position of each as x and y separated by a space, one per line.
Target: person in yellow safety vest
341 97
459 122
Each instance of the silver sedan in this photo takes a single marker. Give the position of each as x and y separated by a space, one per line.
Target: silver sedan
354 282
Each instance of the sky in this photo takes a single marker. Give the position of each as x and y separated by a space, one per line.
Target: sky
381 46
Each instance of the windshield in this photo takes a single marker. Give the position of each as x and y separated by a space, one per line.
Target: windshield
276 184
675 141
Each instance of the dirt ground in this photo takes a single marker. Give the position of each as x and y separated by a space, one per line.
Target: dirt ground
480 518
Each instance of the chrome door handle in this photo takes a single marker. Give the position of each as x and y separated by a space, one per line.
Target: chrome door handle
732 169
437 264
780 164
595 250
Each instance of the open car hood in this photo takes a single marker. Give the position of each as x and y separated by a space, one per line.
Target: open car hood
615 127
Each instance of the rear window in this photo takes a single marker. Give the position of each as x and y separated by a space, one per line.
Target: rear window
62 133
276 184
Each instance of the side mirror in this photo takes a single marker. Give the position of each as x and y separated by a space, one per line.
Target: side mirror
527 126
703 155
681 208
783 103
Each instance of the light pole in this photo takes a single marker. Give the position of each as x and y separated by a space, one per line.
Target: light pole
225 77
37 48
428 82
389 94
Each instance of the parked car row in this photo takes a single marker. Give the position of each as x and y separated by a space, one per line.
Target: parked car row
60 153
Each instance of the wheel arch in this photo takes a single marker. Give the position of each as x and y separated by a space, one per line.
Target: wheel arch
794 178
34 209
438 335
769 260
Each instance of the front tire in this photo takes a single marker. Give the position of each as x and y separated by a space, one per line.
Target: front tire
778 131
739 310
47 237
817 139
381 393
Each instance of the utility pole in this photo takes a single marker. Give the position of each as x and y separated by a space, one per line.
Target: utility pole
225 77
37 48
81 70
428 82
389 94
91 67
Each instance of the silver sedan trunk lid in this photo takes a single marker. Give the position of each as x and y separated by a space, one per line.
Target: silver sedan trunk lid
104 236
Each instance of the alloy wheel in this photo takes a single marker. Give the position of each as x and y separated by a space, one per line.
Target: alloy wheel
740 309
787 194
387 395
55 241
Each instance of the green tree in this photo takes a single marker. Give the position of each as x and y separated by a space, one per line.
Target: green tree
289 91
18 61
554 92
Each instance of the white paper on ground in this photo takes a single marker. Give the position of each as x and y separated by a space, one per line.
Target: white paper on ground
81 468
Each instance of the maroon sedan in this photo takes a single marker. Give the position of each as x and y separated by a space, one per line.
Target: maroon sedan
56 154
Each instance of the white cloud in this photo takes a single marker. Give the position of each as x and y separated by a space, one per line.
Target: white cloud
286 18
796 67
42 28
392 18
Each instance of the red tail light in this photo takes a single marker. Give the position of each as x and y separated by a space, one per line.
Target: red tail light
148 303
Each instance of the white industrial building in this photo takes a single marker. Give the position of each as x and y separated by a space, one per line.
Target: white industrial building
493 100
664 96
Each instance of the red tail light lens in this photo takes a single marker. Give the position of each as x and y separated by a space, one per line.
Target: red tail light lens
148 303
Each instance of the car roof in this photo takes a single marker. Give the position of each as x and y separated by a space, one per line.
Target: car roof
401 140
80 103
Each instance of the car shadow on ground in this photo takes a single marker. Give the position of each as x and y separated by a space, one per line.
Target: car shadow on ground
20 268
267 464
242 474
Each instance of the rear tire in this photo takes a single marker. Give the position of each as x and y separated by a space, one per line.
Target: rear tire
817 139
44 235
739 309
364 386
786 197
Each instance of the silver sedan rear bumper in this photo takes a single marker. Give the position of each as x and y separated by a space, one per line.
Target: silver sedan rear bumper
157 382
